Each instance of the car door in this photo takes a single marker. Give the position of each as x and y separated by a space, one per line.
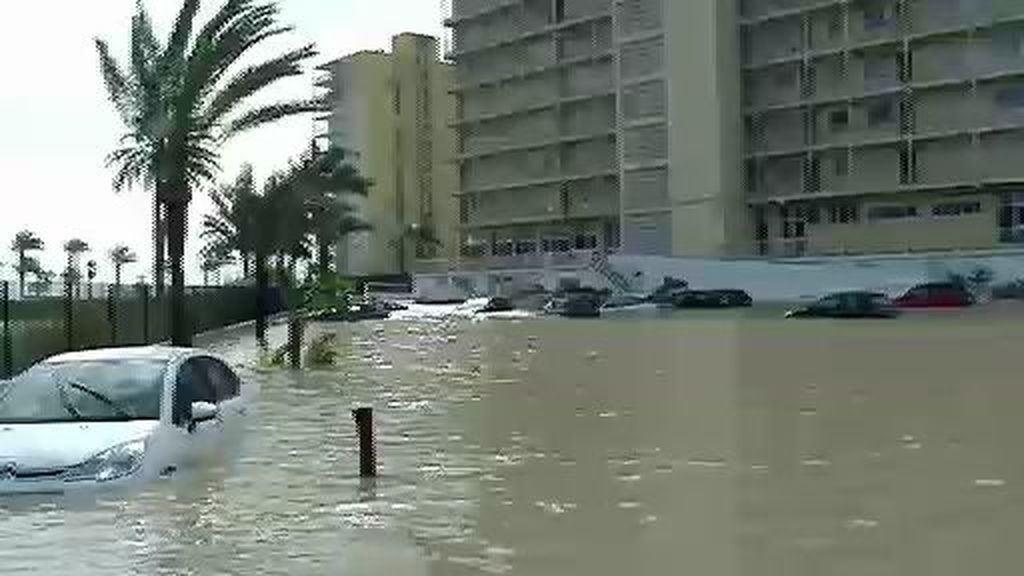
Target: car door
193 384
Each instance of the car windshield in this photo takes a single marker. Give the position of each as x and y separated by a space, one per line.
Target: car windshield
90 391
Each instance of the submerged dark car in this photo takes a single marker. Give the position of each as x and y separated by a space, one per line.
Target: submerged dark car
936 295
668 291
713 299
857 304
498 304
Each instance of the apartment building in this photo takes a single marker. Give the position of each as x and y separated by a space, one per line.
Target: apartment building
738 127
570 142
884 125
393 112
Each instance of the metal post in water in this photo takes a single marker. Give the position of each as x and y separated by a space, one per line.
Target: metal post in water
295 341
69 302
5 315
112 314
367 451
144 294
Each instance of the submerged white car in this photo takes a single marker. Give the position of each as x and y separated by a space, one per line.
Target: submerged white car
114 417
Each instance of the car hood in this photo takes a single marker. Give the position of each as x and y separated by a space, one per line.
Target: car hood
61 444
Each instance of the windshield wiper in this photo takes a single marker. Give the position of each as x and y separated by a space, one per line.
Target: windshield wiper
62 393
113 405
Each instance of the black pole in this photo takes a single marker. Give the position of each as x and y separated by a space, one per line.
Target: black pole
6 312
295 340
367 451
69 298
112 314
144 293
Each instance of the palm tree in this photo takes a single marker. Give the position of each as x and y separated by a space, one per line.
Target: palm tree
119 256
324 180
180 102
213 259
44 279
424 239
75 247
24 242
231 227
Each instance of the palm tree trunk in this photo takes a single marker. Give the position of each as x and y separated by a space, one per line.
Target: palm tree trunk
21 274
261 297
159 246
246 268
177 214
323 258
117 278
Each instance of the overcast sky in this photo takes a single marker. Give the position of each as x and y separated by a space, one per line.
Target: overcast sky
56 125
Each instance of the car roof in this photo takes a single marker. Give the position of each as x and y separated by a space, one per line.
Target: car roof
157 353
855 293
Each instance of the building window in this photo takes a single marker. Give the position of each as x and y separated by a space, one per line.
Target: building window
843 213
956 208
761 230
526 246
881 112
784 77
586 241
839 120
1010 97
503 248
473 248
841 165
1011 218
892 212
878 15
556 244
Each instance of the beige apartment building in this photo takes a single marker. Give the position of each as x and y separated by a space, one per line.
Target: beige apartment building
393 113
734 128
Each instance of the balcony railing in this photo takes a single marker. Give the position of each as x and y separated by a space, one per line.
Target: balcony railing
568 259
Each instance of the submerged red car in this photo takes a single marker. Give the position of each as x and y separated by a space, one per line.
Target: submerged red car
935 295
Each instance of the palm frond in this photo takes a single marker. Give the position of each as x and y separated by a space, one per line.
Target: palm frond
253 79
119 89
272 113
172 61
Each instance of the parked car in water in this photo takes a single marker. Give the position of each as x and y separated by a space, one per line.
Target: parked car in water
713 299
114 418
854 304
936 295
668 291
497 304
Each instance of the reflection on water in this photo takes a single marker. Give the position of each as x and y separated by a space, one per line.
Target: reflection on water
704 444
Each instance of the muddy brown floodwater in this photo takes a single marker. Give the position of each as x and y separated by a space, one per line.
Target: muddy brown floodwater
732 444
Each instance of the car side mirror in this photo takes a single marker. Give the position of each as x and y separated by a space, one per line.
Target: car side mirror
204 411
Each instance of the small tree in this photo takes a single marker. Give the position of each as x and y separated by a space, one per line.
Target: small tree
121 255
75 247
24 242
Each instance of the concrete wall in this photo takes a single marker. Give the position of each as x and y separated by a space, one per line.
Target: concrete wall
778 130
944 110
875 168
775 39
766 280
705 179
773 85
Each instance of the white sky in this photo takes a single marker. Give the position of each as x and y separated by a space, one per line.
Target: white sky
56 125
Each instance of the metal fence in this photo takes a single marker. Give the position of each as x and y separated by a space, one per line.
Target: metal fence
34 328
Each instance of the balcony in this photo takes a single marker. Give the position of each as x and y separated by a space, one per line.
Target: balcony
570 259
470 9
756 11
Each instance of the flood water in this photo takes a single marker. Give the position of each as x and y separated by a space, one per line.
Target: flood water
711 443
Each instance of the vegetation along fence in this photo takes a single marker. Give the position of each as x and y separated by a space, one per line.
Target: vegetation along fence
35 328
